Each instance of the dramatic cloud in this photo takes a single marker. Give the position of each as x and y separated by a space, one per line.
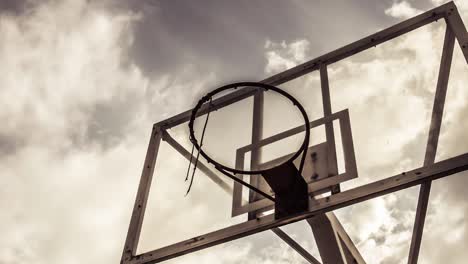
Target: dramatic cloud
402 10
59 64
82 83
282 56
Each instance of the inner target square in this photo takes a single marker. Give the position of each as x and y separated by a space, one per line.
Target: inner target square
318 171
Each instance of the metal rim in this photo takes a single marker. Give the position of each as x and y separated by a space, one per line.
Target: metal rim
243 85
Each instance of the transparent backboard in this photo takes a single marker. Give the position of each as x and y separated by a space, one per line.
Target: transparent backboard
250 213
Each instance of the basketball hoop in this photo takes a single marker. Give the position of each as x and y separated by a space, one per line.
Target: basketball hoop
244 85
290 188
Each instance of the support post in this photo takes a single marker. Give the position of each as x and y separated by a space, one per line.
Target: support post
432 142
334 244
327 240
351 253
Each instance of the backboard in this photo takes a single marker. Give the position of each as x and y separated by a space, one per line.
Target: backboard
321 171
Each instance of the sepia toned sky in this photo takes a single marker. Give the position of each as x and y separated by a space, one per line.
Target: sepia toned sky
82 82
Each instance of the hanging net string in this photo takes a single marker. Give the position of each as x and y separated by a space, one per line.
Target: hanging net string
190 163
269 197
201 145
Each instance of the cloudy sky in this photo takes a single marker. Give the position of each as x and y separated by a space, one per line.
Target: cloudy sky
82 82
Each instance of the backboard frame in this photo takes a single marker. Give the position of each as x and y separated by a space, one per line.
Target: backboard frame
324 184
430 171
